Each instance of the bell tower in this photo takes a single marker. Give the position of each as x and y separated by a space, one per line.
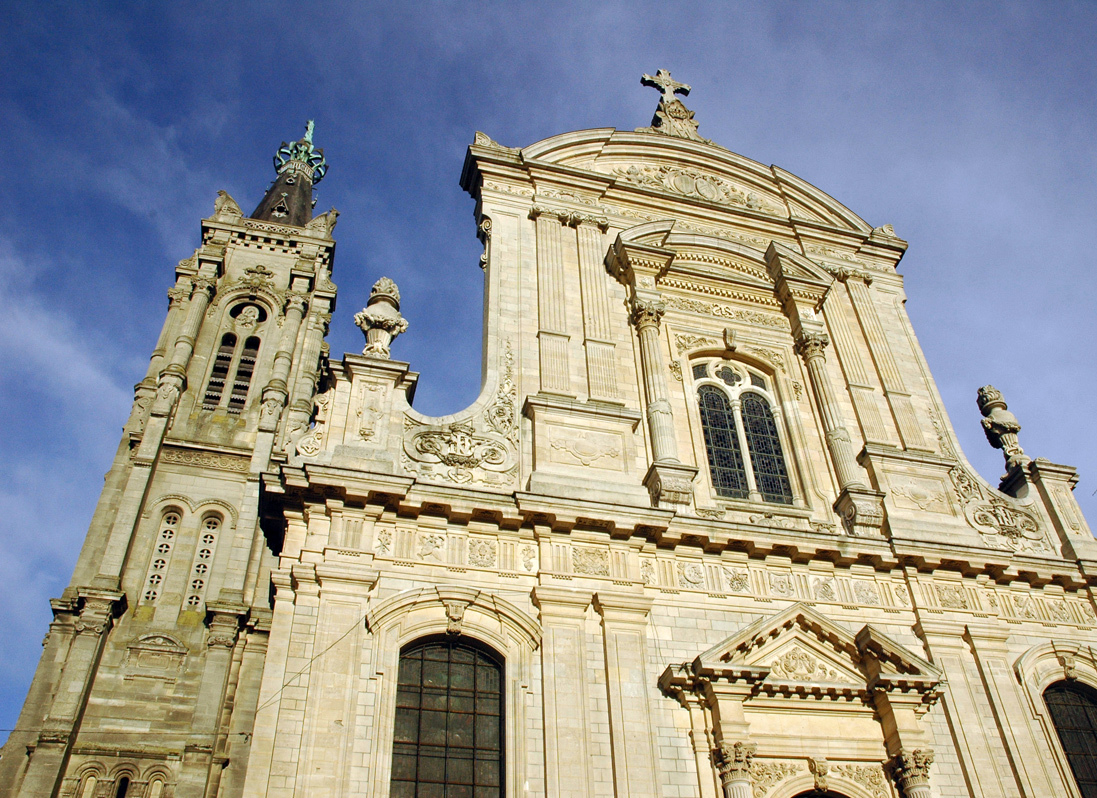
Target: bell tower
164 626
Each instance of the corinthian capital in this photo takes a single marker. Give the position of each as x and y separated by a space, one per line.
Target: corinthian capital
176 296
201 285
811 345
734 761
295 300
911 768
647 312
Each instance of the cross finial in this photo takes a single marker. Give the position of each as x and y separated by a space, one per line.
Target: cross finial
664 83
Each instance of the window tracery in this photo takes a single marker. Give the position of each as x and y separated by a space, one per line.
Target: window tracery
742 442
165 543
235 359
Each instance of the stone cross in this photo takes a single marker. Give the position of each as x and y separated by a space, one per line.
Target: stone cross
664 83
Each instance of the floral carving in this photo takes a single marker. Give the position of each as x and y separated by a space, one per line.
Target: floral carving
529 558
482 553
694 183
384 542
458 453
222 462
765 775
871 777
593 562
999 520
734 761
647 572
676 370
797 665
866 593
686 342
726 312
502 416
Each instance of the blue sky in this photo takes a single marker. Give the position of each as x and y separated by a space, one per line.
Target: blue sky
969 127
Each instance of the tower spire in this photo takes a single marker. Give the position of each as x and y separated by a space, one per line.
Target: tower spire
300 166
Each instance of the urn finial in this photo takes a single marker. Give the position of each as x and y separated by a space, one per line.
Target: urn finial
380 319
1001 426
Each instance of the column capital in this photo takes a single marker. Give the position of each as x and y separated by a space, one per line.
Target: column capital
176 296
296 300
910 768
202 285
733 761
647 311
810 345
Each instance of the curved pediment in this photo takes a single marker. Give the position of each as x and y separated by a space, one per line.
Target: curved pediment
694 171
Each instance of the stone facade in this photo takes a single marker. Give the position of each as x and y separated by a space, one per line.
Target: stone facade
883 623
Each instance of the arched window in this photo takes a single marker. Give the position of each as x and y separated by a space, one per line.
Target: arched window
90 784
765 450
448 740
216 385
742 442
725 456
1073 709
123 787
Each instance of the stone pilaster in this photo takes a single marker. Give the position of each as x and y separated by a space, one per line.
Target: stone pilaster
300 407
597 336
276 391
568 764
624 629
95 613
552 335
895 389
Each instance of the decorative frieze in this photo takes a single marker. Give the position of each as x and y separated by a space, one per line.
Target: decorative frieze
205 459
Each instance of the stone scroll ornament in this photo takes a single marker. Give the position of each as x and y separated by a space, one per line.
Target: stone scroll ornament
380 319
1001 426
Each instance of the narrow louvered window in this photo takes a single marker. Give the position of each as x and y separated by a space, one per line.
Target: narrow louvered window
216 386
725 456
244 369
1073 708
764 448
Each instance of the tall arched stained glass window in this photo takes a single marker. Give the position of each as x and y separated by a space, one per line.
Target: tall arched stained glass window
725 456
764 448
1073 709
448 739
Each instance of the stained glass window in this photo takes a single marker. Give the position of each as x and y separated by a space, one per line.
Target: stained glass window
764 448
728 376
1073 709
700 371
449 723
725 458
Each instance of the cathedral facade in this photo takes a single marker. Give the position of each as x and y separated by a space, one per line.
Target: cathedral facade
707 530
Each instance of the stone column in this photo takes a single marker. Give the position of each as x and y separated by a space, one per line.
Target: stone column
810 347
646 314
146 389
733 761
174 376
860 507
911 771
59 728
669 481
748 467
300 408
277 389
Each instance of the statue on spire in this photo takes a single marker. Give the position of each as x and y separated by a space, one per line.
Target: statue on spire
672 118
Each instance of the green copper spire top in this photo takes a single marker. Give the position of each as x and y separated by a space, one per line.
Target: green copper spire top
300 166
301 155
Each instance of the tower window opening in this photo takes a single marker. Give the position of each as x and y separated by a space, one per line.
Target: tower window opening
123 787
215 388
244 369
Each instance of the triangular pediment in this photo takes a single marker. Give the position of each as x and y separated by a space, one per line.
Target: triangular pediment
800 646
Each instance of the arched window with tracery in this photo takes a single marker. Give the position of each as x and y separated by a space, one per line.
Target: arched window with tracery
234 362
448 740
742 441
1073 710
